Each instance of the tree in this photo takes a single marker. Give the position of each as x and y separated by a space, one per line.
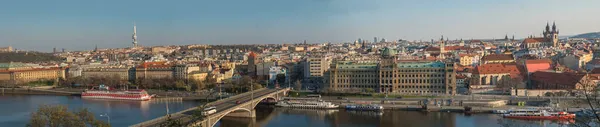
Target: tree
298 85
59 116
198 85
180 84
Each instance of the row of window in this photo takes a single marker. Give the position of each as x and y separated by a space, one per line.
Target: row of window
390 81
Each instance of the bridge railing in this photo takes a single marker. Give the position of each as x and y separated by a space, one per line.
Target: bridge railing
179 114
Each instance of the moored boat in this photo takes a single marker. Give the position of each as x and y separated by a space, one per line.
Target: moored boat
539 115
315 104
367 107
107 93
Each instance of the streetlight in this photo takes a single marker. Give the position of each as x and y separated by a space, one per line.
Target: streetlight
106 115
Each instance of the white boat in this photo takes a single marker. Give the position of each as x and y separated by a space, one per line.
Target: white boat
107 93
306 104
500 111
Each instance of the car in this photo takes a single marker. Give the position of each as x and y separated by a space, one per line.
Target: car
399 97
237 102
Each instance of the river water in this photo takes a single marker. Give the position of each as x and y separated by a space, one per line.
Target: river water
15 111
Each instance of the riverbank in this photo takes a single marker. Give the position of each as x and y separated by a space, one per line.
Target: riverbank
27 91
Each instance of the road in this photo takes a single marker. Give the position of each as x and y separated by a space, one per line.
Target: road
187 115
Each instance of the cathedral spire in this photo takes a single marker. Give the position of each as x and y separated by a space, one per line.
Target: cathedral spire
554 27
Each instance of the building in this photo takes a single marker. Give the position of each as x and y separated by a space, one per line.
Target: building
197 76
549 39
498 58
107 72
6 49
393 76
493 74
316 65
469 59
252 59
153 70
20 73
537 65
577 60
548 80
182 71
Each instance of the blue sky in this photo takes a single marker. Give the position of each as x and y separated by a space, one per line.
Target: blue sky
80 25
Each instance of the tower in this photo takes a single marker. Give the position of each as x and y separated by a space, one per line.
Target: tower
252 63
134 36
554 35
375 40
442 45
551 35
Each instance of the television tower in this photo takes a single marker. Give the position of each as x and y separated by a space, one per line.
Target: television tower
134 36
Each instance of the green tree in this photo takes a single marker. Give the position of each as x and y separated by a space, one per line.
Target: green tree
180 84
59 116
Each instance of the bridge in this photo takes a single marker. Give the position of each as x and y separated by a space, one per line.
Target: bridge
225 108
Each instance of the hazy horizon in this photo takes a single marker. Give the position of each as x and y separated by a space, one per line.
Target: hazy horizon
80 25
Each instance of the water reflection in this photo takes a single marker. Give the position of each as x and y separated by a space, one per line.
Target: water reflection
15 110
286 117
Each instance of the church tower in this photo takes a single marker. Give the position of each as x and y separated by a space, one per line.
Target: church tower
442 45
551 35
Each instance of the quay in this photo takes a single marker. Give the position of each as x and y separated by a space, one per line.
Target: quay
34 91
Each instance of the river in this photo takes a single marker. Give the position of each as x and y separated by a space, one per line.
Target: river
15 111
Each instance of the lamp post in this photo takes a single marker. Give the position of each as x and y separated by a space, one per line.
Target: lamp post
106 115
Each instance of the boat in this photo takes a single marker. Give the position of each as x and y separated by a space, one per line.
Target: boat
315 104
539 114
108 93
363 107
500 111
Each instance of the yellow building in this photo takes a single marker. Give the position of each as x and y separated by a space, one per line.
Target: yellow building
469 59
20 73
198 76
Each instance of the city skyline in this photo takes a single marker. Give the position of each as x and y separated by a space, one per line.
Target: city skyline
77 25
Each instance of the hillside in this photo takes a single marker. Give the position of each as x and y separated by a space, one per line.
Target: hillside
27 57
587 35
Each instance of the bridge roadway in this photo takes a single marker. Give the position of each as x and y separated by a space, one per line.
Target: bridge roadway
186 116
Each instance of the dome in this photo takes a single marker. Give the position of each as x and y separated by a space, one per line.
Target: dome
388 52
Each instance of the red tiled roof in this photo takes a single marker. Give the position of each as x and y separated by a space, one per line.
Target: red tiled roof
497 69
564 78
498 57
432 49
461 55
537 65
534 40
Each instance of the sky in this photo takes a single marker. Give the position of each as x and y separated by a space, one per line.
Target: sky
81 24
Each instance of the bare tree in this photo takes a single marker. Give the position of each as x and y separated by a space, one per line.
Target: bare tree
58 116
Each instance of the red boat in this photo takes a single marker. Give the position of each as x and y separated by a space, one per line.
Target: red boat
539 115
107 93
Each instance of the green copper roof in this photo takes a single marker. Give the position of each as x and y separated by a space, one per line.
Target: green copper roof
388 52
12 65
419 64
